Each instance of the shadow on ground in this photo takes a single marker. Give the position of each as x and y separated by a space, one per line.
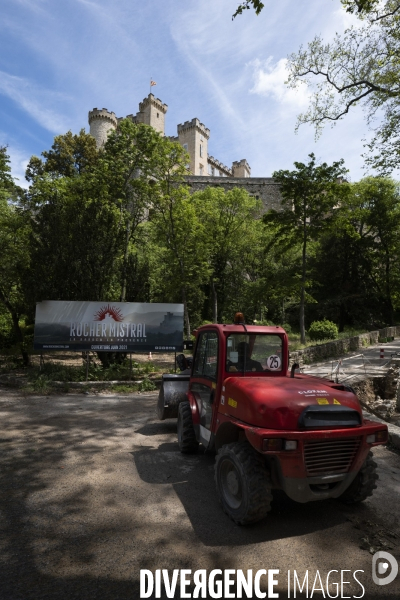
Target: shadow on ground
85 502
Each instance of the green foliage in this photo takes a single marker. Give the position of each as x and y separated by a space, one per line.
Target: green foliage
323 330
309 194
146 385
358 262
7 333
14 233
40 384
247 5
125 388
359 6
70 156
121 224
233 234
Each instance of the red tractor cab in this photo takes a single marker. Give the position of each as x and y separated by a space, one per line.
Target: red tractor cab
271 428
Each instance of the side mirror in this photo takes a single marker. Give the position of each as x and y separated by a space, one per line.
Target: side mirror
181 362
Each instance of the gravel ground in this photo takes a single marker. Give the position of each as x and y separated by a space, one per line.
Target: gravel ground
93 489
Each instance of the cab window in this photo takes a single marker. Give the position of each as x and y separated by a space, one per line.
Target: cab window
253 353
206 360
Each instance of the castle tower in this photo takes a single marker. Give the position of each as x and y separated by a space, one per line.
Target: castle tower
241 168
101 122
152 112
194 136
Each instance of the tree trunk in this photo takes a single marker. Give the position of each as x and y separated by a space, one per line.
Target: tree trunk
303 283
186 313
214 303
125 264
389 303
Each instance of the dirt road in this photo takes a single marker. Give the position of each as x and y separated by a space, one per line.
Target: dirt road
93 489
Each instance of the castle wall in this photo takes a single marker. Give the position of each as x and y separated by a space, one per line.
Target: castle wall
262 188
216 169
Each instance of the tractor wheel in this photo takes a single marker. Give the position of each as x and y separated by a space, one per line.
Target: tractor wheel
242 481
187 441
364 483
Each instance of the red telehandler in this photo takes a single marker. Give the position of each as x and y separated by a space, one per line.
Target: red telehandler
271 427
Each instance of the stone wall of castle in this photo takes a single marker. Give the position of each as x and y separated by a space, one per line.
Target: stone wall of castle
262 188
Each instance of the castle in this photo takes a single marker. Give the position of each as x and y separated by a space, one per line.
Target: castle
205 170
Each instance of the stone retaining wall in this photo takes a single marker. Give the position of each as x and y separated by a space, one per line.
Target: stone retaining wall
339 347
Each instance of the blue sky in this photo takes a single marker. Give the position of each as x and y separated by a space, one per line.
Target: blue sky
59 59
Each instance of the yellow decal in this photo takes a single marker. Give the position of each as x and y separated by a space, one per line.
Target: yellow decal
336 401
232 402
322 401
213 385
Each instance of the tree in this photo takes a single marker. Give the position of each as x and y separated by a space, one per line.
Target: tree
75 243
370 215
138 166
14 231
69 156
182 267
309 195
360 67
230 223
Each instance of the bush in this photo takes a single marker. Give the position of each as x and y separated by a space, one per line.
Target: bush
146 385
323 330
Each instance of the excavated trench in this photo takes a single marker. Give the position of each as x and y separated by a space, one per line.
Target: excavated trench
381 395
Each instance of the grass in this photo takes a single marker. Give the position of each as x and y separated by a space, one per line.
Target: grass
40 380
122 388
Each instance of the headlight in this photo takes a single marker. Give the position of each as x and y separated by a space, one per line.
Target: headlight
276 444
379 436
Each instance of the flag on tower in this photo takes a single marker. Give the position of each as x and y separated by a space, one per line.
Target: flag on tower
152 83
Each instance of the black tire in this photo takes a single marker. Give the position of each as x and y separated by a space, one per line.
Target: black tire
243 484
364 483
187 441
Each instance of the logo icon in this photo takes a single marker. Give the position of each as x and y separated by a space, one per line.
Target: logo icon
109 312
381 561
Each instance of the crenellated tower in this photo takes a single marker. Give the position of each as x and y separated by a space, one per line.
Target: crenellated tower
194 136
241 168
101 122
152 112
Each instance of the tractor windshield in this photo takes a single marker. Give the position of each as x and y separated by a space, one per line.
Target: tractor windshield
253 353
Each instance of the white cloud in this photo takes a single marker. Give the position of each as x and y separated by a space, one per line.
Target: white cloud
269 80
34 101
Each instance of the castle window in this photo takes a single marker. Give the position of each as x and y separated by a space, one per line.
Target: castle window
158 115
201 169
209 169
201 149
185 147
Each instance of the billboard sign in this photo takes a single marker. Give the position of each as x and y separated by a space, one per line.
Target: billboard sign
108 326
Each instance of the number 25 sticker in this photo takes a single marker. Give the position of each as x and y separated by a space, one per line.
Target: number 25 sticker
273 362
